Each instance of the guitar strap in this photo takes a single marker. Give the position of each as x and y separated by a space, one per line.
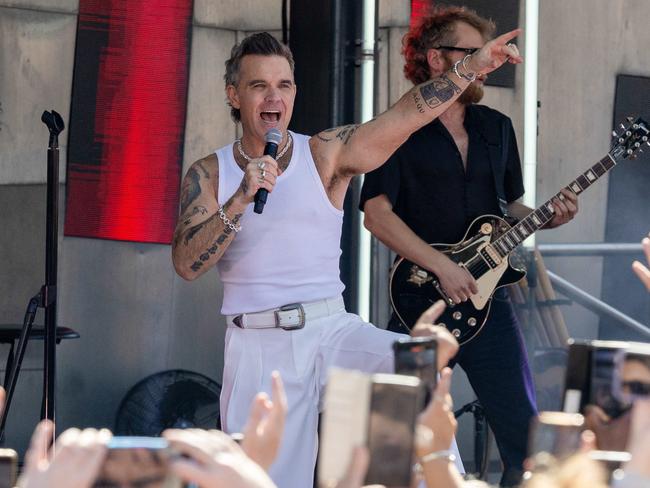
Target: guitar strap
498 144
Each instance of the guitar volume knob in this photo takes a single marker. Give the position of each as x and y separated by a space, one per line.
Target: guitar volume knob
457 315
471 322
456 333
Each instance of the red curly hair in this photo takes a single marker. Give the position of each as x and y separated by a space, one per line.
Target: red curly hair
435 28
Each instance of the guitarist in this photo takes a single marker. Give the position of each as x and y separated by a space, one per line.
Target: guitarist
433 187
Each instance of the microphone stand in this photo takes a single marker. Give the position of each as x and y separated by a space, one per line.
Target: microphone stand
46 297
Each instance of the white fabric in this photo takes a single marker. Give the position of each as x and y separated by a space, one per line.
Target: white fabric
303 358
275 260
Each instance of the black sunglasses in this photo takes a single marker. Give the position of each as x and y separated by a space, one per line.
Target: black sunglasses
467 50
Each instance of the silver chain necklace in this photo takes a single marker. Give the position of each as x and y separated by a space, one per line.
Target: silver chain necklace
282 153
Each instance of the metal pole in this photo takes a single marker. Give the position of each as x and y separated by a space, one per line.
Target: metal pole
367 112
589 249
592 303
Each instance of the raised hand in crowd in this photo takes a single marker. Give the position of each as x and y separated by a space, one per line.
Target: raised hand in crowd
76 461
434 433
425 326
611 433
214 460
263 431
639 268
637 470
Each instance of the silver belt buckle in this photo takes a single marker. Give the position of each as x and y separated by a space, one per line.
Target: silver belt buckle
287 323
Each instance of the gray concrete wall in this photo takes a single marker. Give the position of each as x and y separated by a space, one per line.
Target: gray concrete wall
135 316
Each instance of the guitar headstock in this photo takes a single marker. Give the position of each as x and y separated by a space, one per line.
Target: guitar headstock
627 143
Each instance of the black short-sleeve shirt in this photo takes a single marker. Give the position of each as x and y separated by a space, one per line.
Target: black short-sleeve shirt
429 188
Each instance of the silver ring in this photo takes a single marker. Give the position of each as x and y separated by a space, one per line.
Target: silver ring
261 165
263 173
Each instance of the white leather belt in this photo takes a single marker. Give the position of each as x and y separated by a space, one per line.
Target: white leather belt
287 317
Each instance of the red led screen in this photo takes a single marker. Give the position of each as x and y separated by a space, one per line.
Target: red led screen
127 119
418 9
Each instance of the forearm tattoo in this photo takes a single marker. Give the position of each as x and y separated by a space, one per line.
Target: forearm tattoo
438 91
418 102
199 209
342 133
212 250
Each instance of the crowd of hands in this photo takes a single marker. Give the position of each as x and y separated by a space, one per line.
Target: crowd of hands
212 459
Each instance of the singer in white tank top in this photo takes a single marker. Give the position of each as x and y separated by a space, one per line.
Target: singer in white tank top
280 268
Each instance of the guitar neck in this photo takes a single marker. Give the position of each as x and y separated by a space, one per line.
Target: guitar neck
544 213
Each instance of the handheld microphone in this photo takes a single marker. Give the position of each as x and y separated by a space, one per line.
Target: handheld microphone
273 138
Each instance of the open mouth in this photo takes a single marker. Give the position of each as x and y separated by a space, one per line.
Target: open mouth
270 115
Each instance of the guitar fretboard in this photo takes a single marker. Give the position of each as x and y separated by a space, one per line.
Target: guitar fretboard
544 214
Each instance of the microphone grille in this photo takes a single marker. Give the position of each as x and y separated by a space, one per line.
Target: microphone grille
273 135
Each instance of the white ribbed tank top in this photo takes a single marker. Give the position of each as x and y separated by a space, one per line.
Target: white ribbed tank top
288 254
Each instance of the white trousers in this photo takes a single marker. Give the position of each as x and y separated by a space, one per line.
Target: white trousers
303 358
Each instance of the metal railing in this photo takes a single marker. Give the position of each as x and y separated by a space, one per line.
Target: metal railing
580 296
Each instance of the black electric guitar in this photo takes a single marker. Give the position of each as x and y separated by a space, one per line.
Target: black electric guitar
484 252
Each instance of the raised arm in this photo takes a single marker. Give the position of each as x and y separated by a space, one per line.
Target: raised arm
356 149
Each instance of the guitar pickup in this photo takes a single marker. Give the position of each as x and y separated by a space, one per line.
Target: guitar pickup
490 256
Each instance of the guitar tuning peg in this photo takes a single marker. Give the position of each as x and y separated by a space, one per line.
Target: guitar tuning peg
614 134
622 126
629 119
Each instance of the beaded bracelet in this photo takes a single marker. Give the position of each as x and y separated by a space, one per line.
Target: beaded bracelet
227 222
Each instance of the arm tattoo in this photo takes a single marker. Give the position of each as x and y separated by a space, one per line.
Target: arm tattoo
418 102
197 228
192 231
196 210
205 171
343 133
191 189
438 91
244 186
198 264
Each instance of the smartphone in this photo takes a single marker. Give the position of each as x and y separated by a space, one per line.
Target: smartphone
632 374
395 403
590 375
8 468
137 461
377 411
556 433
417 356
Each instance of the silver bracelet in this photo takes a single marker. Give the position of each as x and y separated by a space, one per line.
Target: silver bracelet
447 455
227 222
468 77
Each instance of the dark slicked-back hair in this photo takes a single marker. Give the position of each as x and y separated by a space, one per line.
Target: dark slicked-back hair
263 44
437 28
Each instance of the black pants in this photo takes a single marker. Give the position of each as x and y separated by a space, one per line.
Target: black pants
496 365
